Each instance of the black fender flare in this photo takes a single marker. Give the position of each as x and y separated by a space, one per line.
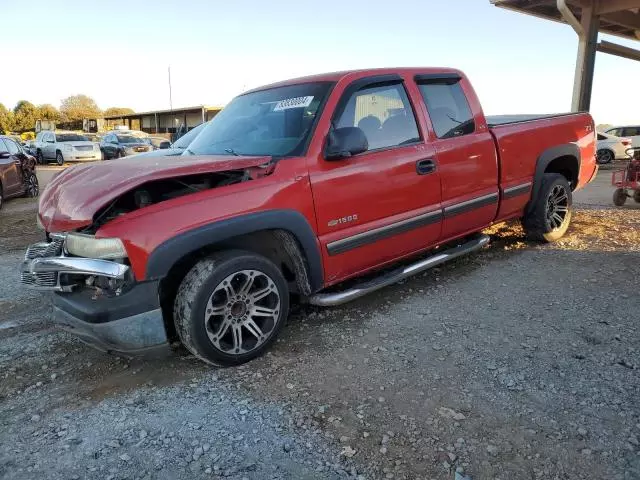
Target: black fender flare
166 255
545 158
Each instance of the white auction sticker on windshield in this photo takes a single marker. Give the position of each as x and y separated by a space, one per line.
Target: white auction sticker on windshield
298 102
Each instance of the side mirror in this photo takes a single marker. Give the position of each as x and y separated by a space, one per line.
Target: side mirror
165 145
4 155
345 142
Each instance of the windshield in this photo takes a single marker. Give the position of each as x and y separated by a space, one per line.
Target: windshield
274 122
184 141
70 137
130 139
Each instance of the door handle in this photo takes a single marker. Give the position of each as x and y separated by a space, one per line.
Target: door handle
425 166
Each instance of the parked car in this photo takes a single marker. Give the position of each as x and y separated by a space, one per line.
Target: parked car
159 143
610 148
631 132
65 147
291 190
17 171
118 144
177 147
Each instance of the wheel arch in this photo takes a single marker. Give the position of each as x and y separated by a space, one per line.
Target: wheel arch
283 236
562 159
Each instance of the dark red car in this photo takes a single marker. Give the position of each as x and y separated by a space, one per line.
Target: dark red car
290 191
17 171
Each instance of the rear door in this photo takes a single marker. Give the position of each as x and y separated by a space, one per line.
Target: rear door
465 154
384 203
9 172
632 133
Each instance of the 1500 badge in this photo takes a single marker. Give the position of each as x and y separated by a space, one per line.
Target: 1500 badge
340 221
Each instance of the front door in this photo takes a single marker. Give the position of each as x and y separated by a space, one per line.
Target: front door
377 206
48 147
466 155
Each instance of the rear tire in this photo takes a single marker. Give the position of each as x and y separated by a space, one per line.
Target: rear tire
59 159
604 156
620 197
1 197
39 157
32 187
230 307
636 196
550 217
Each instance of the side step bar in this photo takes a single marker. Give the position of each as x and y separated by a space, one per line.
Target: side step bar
389 278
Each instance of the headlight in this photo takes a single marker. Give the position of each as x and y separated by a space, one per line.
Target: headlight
90 247
67 147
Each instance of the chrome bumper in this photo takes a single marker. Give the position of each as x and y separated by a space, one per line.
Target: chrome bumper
45 263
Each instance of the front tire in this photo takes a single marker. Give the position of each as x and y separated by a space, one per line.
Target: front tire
40 157
636 196
604 156
1 197
59 159
230 307
550 217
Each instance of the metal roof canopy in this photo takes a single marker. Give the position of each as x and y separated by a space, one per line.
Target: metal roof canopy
587 18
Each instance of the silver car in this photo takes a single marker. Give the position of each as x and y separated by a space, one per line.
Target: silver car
65 147
611 148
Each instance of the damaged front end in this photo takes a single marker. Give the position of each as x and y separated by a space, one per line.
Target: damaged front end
97 296
79 259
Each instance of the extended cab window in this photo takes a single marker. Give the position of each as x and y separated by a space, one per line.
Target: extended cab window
272 122
383 113
448 108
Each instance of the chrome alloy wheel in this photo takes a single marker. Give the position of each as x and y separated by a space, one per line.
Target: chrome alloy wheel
242 312
557 207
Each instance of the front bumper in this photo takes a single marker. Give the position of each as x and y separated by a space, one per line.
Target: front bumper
125 317
82 157
130 324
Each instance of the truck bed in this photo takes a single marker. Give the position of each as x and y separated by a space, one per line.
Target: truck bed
498 120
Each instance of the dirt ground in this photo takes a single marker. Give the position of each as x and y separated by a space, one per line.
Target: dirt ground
519 362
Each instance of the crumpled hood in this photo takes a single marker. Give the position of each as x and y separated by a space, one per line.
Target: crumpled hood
73 196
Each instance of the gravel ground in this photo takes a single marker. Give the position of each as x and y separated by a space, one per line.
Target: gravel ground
518 362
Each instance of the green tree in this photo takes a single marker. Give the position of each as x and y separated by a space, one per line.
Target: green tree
25 115
6 119
77 107
113 111
48 112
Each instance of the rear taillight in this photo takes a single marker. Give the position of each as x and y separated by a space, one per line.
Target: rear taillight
626 142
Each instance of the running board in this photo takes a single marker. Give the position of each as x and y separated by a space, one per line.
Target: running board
389 278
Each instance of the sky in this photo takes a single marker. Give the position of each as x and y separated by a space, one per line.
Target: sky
118 51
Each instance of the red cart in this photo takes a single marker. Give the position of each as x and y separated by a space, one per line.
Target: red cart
627 181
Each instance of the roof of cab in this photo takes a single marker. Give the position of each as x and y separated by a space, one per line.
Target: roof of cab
337 76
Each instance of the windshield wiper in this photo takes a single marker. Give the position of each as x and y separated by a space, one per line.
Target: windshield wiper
232 152
190 151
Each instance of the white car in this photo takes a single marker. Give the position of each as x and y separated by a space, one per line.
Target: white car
611 148
630 131
65 147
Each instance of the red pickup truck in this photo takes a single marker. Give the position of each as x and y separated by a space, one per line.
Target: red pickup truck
291 190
